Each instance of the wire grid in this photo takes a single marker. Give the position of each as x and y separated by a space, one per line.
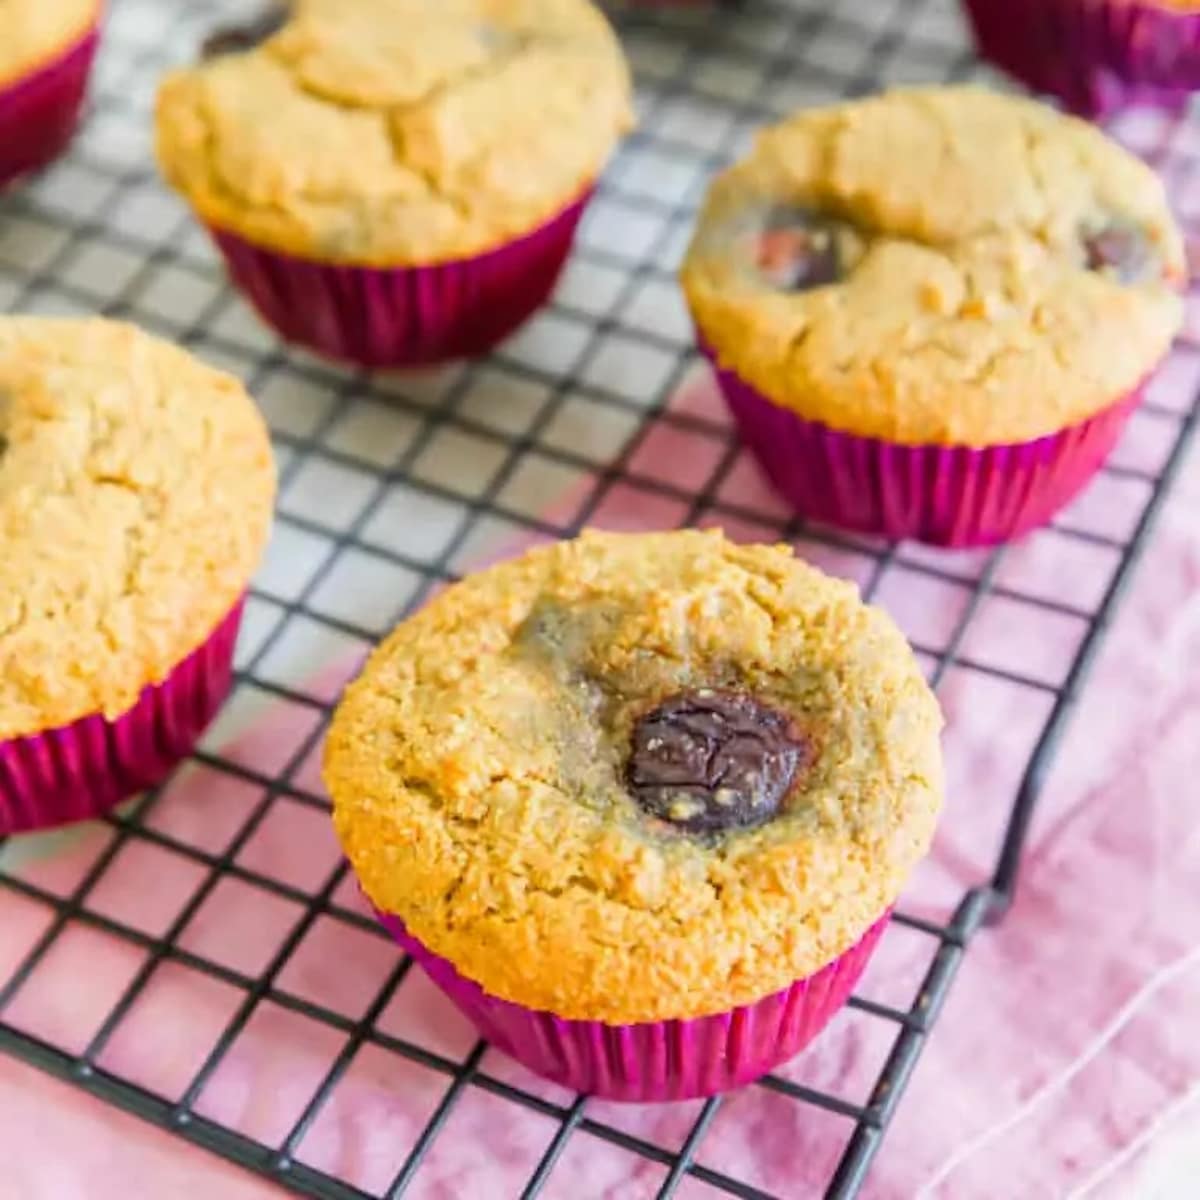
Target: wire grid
392 486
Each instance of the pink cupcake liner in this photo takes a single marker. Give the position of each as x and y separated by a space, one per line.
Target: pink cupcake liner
78 771
39 112
944 495
660 1060
404 316
1096 56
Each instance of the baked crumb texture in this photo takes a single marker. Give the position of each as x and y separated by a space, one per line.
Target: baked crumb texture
33 33
478 773
136 487
970 308
398 132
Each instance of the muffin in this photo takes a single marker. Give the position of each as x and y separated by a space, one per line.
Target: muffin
932 311
135 499
46 52
1096 56
640 804
393 182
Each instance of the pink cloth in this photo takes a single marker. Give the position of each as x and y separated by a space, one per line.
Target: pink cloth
62 1145
1067 1061
1068 1042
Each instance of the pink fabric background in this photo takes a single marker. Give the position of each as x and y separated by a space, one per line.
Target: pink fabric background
1067 1057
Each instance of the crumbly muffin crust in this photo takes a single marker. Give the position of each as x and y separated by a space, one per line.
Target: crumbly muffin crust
398 132
477 773
136 487
35 32
970 308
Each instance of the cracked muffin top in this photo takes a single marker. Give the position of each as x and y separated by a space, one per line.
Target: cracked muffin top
937 265
396 132
135 498
637 777
35 32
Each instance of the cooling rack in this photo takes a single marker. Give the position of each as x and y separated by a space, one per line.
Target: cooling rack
596 413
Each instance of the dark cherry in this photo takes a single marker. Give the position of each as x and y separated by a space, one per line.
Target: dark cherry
1121 248
238 38
708 761
798 251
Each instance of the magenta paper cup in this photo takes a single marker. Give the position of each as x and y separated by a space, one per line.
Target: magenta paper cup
404 316
659 1060
39 112
944 495
1096 56
78 771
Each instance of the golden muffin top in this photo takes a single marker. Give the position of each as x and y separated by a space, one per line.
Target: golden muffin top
636 777
398 132
35 32
136 488
937 265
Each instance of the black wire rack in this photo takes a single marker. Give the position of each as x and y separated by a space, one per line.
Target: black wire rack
392 486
